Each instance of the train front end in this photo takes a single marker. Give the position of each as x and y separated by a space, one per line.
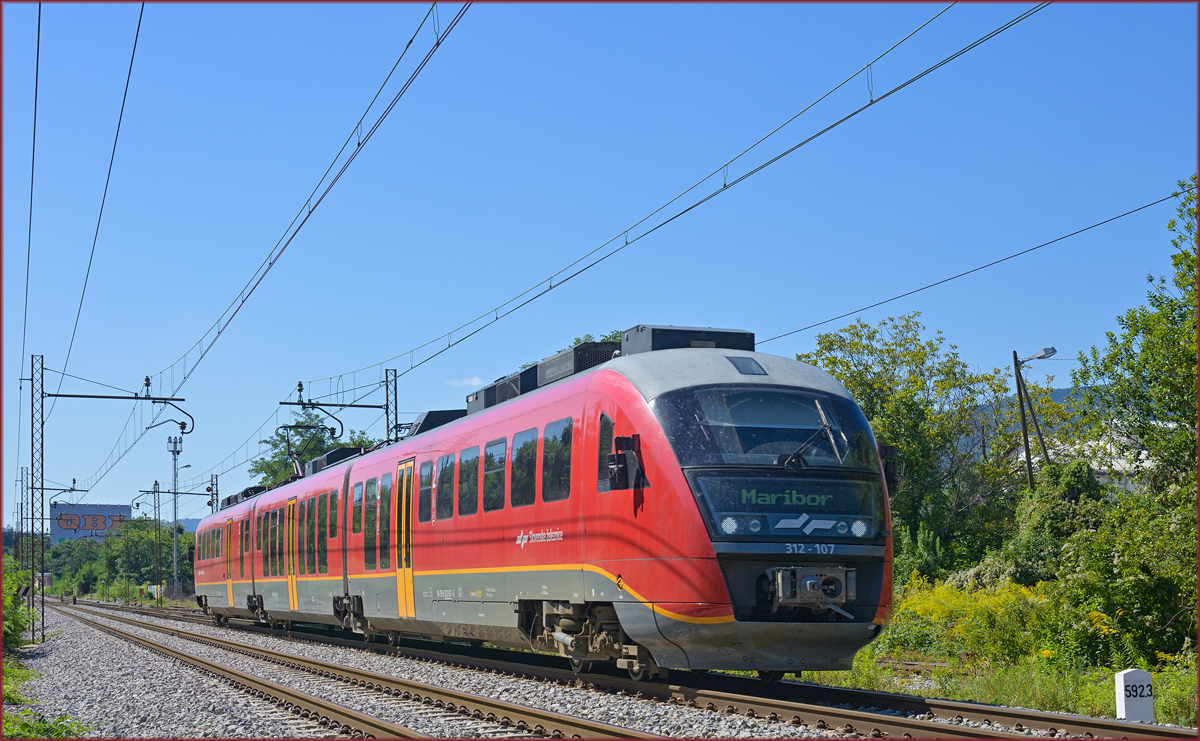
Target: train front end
787 478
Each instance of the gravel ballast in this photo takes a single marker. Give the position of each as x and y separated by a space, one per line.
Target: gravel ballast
642 715
127 692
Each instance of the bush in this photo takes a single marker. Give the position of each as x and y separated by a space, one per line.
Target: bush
17 615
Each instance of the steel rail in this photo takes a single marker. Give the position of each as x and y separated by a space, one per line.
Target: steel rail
750 694
299 703
506 713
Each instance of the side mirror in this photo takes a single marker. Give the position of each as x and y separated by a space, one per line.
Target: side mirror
889 454
624 467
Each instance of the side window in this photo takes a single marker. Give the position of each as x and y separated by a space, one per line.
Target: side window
261 539
556 461
445 487
425 493
281 539
385 521
356 514
312 535
370 513
495 455
301 535
323 540
524 467
333 520
241 550
468 481
606 447
274 542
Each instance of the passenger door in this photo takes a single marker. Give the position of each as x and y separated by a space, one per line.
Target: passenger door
229 562
403 530
289 553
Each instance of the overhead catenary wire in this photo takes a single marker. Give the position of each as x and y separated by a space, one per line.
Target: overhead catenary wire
37 66
499 312
973 270
625 232
496 313
103 198
274 256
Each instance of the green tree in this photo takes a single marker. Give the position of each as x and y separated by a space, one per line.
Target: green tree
955 431
276 466
1135 573
1138 393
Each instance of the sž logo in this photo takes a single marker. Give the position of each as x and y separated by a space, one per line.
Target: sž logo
539 537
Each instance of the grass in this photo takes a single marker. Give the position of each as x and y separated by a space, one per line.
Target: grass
1028 683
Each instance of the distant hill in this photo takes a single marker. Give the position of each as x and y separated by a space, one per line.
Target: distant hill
189 525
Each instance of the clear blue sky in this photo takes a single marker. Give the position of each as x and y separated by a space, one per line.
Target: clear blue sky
535 134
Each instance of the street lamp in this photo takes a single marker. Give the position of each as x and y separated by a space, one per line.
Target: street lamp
1022 399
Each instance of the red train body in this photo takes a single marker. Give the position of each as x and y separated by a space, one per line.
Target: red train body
752 531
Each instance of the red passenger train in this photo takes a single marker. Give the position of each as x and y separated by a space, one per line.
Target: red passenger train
674 500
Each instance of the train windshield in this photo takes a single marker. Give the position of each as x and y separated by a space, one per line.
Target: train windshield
766 426
768 461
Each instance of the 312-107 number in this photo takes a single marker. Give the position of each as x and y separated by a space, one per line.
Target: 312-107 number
821 548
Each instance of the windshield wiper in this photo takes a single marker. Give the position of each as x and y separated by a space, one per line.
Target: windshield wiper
798 453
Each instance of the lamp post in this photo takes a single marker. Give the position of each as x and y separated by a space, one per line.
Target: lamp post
175 446
1022 398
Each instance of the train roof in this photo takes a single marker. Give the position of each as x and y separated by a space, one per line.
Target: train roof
655 359
656 373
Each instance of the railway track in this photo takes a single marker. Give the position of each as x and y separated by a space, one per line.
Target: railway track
791 702
534 721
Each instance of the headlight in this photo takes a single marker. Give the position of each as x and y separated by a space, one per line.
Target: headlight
755 526
729 525
859 528
842 527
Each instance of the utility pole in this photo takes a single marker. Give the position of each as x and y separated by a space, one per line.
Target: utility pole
157 567
37 469
391 404
1024 427
175 445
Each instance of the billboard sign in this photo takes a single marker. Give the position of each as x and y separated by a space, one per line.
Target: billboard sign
77 521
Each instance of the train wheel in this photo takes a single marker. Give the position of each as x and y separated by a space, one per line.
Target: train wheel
580 666
770 676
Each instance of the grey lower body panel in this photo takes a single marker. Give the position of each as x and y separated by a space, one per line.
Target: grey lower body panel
769 646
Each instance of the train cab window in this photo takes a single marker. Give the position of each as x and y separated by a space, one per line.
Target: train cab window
605 447
556 461
385 521
371 515
301 535
524 467
312 536
445 487
322 540
333 520
495 458
356 514
425 493
468 481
